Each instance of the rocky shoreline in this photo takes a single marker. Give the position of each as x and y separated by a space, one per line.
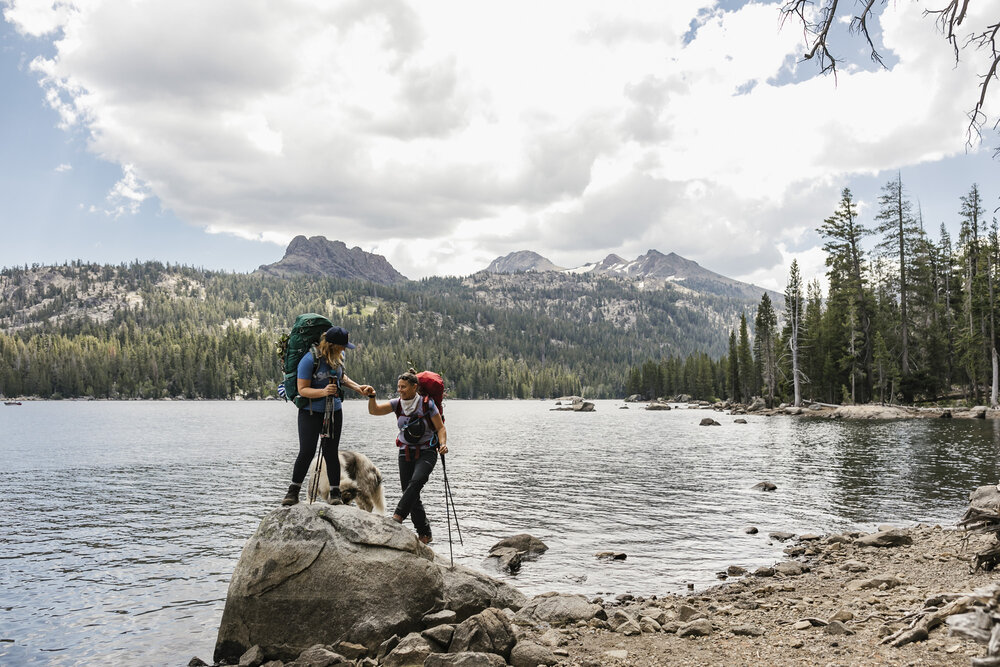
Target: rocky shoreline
840 599
825 410
843 599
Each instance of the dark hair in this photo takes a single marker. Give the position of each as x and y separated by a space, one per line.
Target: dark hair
409 376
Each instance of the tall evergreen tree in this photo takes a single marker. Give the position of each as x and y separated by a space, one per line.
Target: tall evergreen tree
899 236
850 298
765 335
745 361
974 344
734 369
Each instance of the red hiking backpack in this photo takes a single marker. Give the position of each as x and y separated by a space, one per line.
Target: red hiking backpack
431 384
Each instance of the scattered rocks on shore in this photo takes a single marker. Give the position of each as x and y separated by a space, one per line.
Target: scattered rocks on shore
318 574
888 598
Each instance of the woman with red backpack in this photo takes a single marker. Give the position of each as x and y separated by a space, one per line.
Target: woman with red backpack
422 436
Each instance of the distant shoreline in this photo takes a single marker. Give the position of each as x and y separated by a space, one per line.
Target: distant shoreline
868 412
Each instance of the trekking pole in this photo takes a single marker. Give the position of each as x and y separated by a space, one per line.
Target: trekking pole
451 550
449 496
323 435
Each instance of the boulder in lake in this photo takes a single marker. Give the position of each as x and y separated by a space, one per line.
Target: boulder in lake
708 421
324 574
507 559
523 542
764 486
658 405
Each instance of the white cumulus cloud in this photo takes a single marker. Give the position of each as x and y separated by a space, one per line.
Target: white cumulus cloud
452 132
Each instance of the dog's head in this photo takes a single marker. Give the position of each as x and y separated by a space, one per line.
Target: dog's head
348 492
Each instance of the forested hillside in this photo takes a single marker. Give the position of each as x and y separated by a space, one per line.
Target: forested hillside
146 330
908 317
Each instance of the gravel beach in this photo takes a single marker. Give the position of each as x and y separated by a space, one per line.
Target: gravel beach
834 602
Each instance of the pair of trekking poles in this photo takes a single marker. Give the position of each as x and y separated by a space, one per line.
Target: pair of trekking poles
449 499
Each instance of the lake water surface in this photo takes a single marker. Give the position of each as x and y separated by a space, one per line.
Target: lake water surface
121 522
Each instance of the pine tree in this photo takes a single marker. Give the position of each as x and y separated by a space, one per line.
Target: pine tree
849 297
745 361
765 324
899 234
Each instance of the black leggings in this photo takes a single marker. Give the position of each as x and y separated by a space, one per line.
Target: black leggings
413 475
310 425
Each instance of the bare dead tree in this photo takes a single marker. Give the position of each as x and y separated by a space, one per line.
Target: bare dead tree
816 26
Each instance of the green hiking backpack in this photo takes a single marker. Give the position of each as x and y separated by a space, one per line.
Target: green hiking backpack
292 346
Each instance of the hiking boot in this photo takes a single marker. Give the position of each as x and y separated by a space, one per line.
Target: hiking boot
292 497
335 498
426 539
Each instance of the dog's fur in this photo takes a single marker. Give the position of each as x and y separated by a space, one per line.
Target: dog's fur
360 482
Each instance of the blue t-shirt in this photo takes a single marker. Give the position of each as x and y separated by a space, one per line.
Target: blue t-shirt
318 380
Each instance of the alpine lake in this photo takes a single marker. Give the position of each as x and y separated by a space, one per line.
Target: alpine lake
123 521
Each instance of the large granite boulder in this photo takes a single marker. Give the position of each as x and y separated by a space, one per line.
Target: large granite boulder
488 632
986 497
558 609
320 574
468 592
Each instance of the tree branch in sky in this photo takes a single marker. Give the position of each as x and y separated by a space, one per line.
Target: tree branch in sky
816 25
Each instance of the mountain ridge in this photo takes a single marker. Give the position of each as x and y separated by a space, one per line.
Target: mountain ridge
653 266
318 256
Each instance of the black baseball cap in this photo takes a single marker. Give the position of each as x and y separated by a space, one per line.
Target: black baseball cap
338 336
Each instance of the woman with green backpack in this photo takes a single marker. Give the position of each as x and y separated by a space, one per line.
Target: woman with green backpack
320 379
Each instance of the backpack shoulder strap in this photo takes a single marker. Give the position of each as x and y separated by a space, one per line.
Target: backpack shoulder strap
427 412
314 351
398 408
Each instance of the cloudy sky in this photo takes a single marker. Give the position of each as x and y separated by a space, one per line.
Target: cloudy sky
445 133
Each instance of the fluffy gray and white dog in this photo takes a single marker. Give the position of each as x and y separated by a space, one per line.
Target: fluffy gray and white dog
360 482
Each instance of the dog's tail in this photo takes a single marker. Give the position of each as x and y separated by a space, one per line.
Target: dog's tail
378 495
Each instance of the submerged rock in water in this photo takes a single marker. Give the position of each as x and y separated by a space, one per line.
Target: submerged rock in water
319 574
523 542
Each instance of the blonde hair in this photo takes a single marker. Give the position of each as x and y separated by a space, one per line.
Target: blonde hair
326 351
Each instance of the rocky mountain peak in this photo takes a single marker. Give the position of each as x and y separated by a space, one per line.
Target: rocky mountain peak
318 256
520 262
